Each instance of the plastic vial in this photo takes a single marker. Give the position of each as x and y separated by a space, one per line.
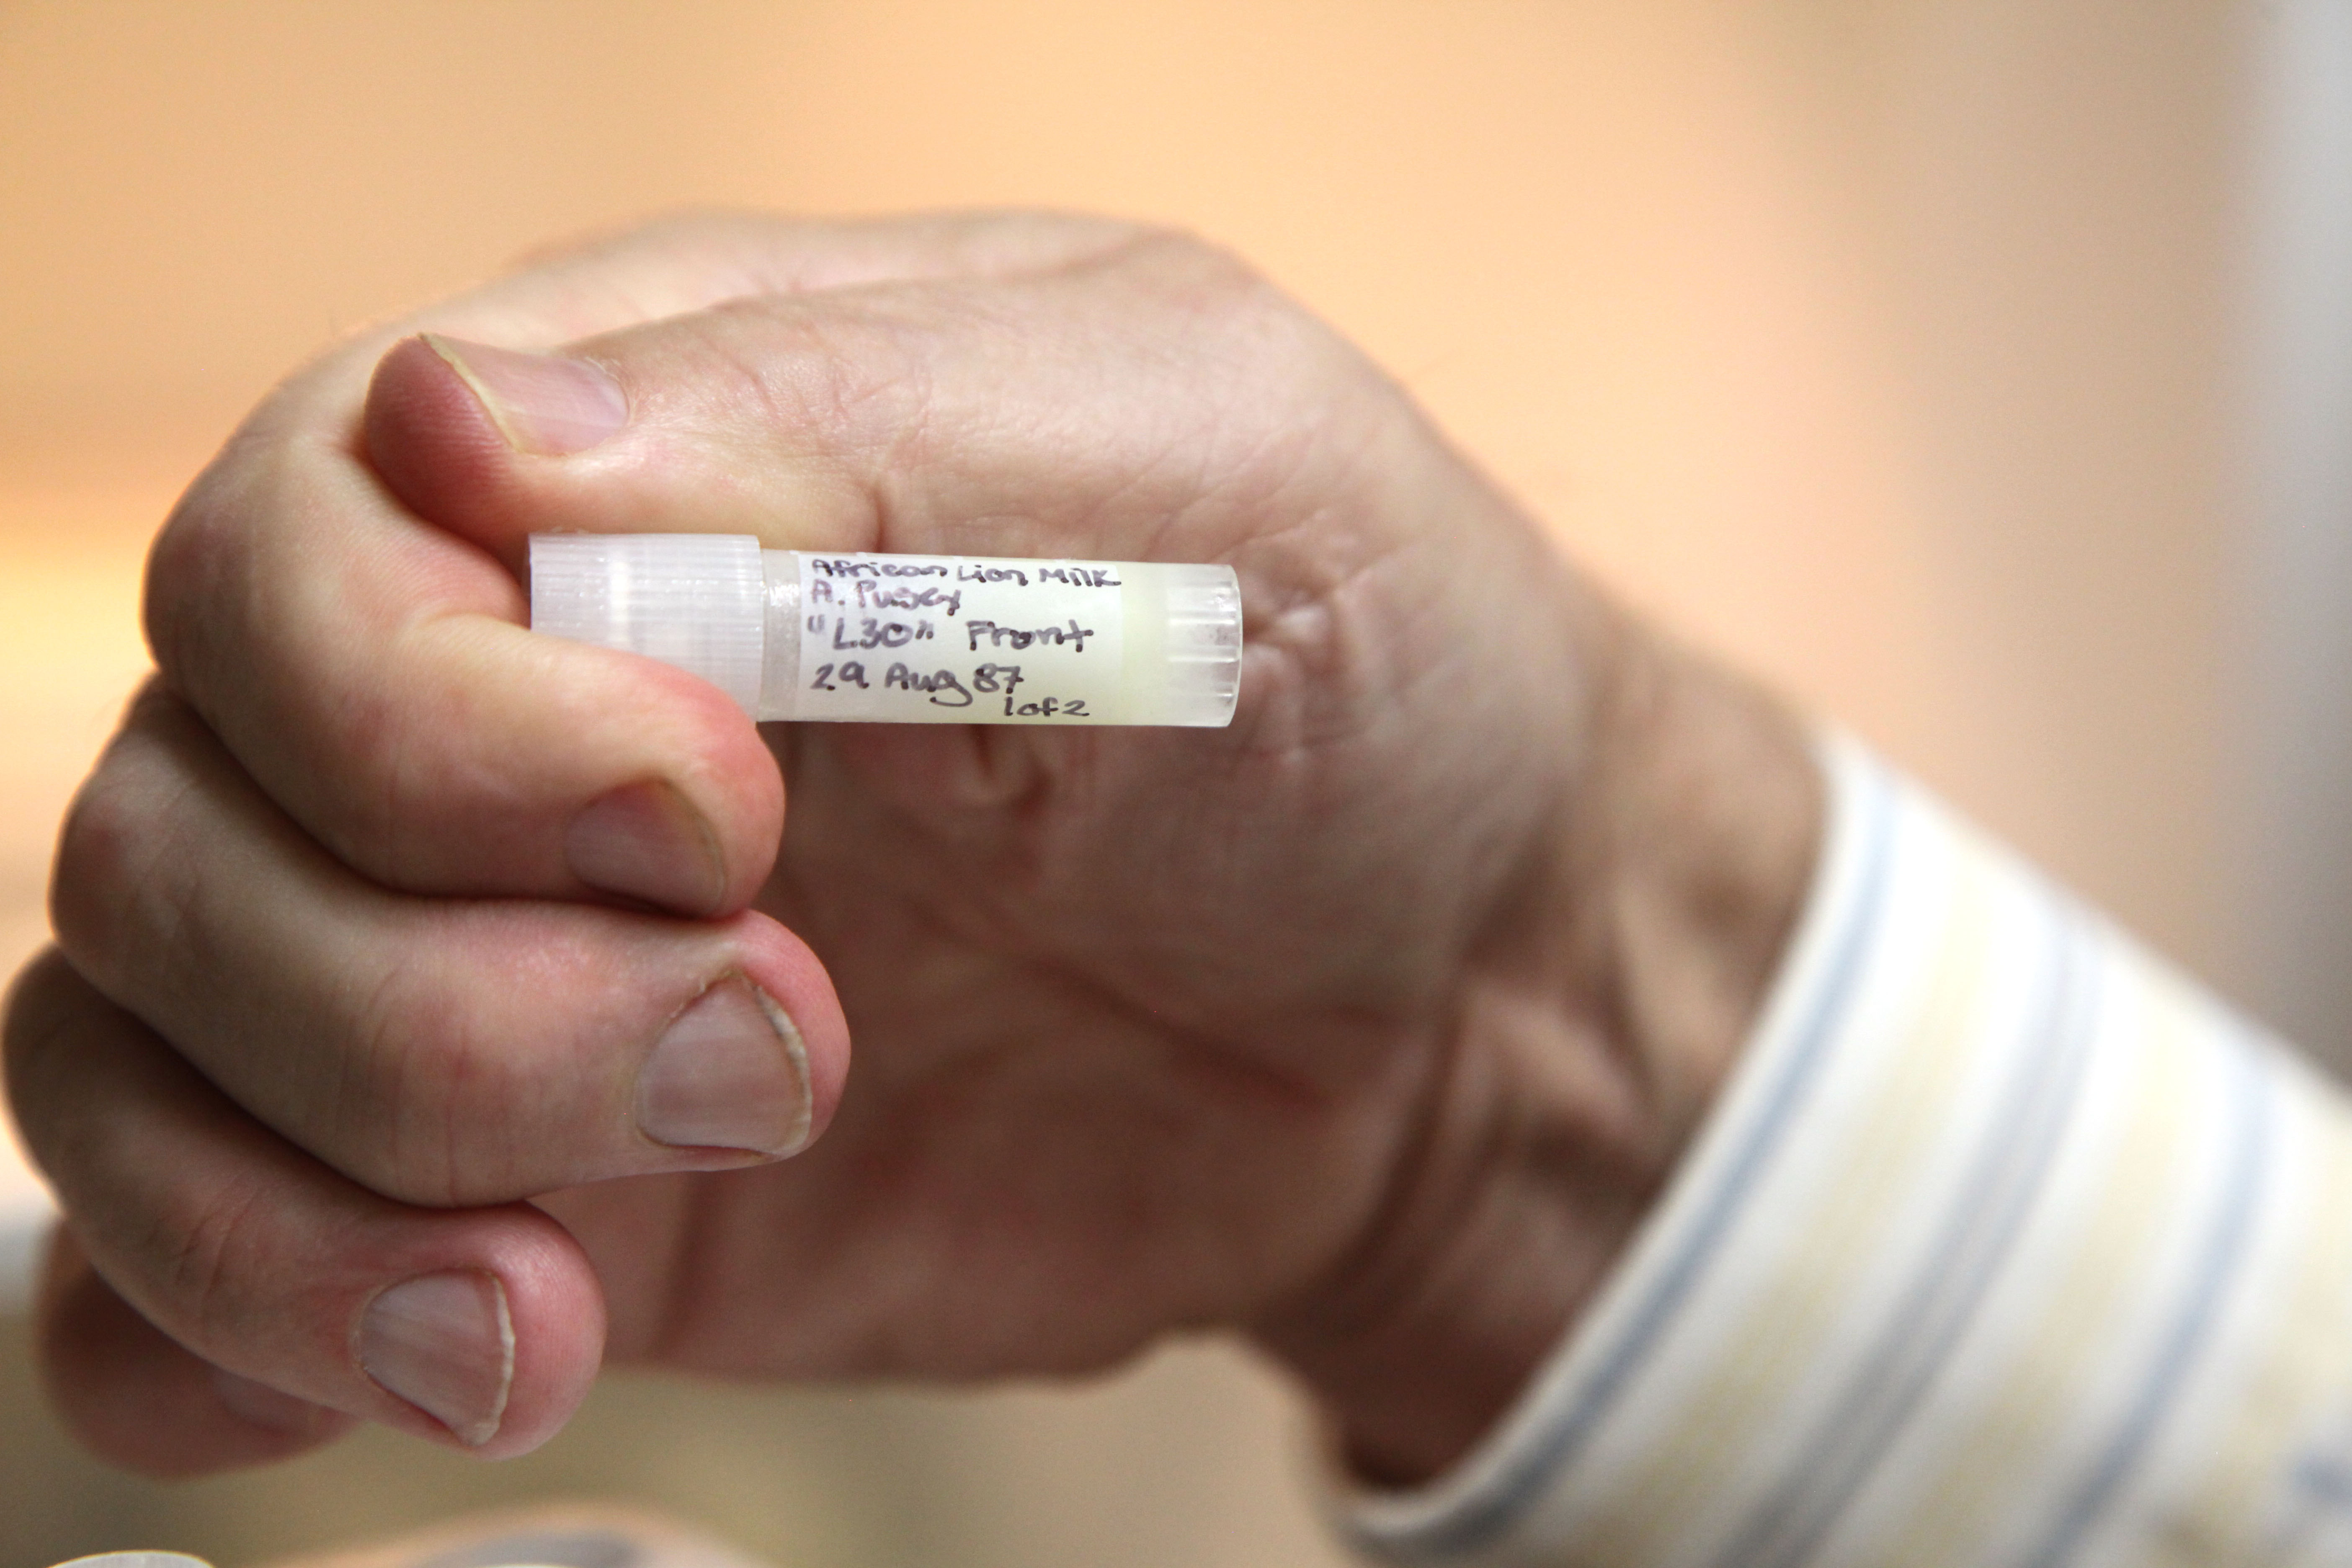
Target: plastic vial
941 639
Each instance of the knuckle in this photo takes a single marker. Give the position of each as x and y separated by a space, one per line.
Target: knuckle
192 567
397 1065
416 1106
35 1017
1224 309
207 1248
849 376
1213 278
114 860
218 579
365 796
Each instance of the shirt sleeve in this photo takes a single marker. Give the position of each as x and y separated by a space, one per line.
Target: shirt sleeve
2004 1245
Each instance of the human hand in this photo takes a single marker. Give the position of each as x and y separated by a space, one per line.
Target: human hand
1366 1026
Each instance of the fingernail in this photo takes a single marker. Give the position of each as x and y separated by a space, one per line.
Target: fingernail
543 404
264 1406
644 841
444 1343
729 1072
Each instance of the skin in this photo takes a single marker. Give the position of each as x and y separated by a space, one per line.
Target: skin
1367 1028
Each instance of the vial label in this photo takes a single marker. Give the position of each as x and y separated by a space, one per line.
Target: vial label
959 639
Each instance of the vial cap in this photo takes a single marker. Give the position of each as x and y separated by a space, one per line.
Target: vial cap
1202 644
694 600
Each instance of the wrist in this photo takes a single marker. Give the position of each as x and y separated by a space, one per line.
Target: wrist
1587 1036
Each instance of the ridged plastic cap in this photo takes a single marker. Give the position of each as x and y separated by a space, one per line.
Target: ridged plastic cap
694 600
1204 645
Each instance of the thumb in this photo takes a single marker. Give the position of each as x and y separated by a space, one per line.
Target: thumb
1156 401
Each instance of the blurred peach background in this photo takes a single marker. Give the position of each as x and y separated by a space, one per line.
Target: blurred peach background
1881 344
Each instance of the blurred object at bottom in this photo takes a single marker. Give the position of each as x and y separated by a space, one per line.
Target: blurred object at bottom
556 1535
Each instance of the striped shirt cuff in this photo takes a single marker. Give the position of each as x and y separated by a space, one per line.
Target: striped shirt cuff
2004 1245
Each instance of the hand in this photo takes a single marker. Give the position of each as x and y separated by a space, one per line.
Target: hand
435 1002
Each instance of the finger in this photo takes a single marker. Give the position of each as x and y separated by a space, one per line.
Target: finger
1101 406
439 1051
480 1329
128 1391
372 671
